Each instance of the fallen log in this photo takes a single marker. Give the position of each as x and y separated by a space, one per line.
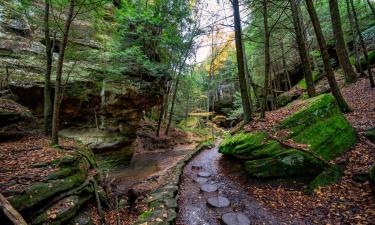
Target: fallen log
12 214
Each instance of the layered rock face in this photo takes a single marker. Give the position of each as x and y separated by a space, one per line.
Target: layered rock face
301 144
101 108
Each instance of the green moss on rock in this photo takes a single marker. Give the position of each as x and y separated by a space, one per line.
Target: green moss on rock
319 124
65 209
40 193
329 176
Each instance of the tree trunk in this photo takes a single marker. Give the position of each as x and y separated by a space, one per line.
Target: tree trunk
160 119
350 75
47 76
187 108
166 101
288 85
364 48
248 77
240 63
326 60
371 7
302 48
173 102
10 212
59 72
267 63
358 65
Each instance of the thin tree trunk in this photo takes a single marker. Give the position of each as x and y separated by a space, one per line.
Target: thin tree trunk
187 108
364 48
286 74
160 119
357 63
240 63
267 63
166 101
59 72
371 7
173 102
326 60
350 75
248 76
47 76
302 48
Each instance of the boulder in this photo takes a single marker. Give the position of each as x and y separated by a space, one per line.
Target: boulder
111 148
11 112
318 132
289 96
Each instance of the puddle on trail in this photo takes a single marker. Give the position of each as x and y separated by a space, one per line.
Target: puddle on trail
147 166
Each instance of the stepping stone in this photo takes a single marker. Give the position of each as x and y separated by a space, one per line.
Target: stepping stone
218 202
235 219
209 188
201 180
204 174
196 167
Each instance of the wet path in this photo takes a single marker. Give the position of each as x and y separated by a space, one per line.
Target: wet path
148 168
193 201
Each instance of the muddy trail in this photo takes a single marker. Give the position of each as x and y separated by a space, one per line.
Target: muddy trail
210 170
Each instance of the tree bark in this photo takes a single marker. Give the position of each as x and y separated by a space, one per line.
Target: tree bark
288 85
326 60
358 65
240 63
173 102
267 63
59 72
302 48
363 44
47 75
10 212
160 119
350 75
371 7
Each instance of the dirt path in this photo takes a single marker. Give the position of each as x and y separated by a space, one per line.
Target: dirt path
193 202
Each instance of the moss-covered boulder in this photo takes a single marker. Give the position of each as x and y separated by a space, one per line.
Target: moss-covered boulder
318 133
63 193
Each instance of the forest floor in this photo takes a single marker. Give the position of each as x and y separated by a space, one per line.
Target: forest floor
19 160
285 201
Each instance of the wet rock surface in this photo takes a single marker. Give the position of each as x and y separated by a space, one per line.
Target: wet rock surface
218 202
235 219
209 188
193 207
